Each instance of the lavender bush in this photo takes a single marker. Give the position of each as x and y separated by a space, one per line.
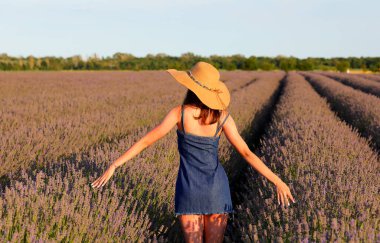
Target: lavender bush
374 77
361 83
355 107
331 170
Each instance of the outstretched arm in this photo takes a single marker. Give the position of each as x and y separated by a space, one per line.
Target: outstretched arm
152 136
241 146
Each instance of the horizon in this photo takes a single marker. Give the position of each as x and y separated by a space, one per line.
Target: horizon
86 57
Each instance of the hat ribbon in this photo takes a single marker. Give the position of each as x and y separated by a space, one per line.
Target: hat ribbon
216 91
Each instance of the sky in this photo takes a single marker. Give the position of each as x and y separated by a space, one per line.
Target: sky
300 28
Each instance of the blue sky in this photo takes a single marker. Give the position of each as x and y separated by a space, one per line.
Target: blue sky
308 28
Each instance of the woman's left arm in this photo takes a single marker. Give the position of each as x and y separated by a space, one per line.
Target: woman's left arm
152 136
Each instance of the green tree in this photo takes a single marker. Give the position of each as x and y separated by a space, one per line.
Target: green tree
305 64
342 66
45 64
287 63
375 67
251 63
31 62
265 64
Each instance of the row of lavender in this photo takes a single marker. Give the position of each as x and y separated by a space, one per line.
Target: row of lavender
357 108
363 83
331 170
57 202
375 77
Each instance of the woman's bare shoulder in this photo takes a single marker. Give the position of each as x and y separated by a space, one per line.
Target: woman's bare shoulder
224 114
177 110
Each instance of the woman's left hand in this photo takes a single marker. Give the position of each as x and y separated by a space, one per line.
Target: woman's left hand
104 178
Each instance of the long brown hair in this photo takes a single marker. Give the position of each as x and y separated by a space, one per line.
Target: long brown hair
192 99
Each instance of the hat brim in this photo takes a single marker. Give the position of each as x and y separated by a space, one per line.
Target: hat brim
209 98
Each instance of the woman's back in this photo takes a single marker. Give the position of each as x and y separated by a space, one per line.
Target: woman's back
195 127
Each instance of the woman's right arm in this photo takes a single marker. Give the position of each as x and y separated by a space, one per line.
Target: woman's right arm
233 136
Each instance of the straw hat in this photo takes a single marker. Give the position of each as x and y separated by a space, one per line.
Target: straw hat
203 80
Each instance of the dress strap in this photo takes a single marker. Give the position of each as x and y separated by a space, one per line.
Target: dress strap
221 125
183 127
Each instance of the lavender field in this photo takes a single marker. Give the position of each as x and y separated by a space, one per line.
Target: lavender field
320 132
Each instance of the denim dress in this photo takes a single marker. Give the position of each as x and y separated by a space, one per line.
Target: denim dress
202 186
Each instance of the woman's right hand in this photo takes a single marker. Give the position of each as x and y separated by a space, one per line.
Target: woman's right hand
283 193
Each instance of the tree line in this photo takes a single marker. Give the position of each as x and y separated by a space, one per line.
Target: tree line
161 61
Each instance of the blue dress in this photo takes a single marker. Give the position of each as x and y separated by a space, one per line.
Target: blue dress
202 186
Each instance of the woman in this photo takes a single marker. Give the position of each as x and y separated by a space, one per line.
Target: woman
202 193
